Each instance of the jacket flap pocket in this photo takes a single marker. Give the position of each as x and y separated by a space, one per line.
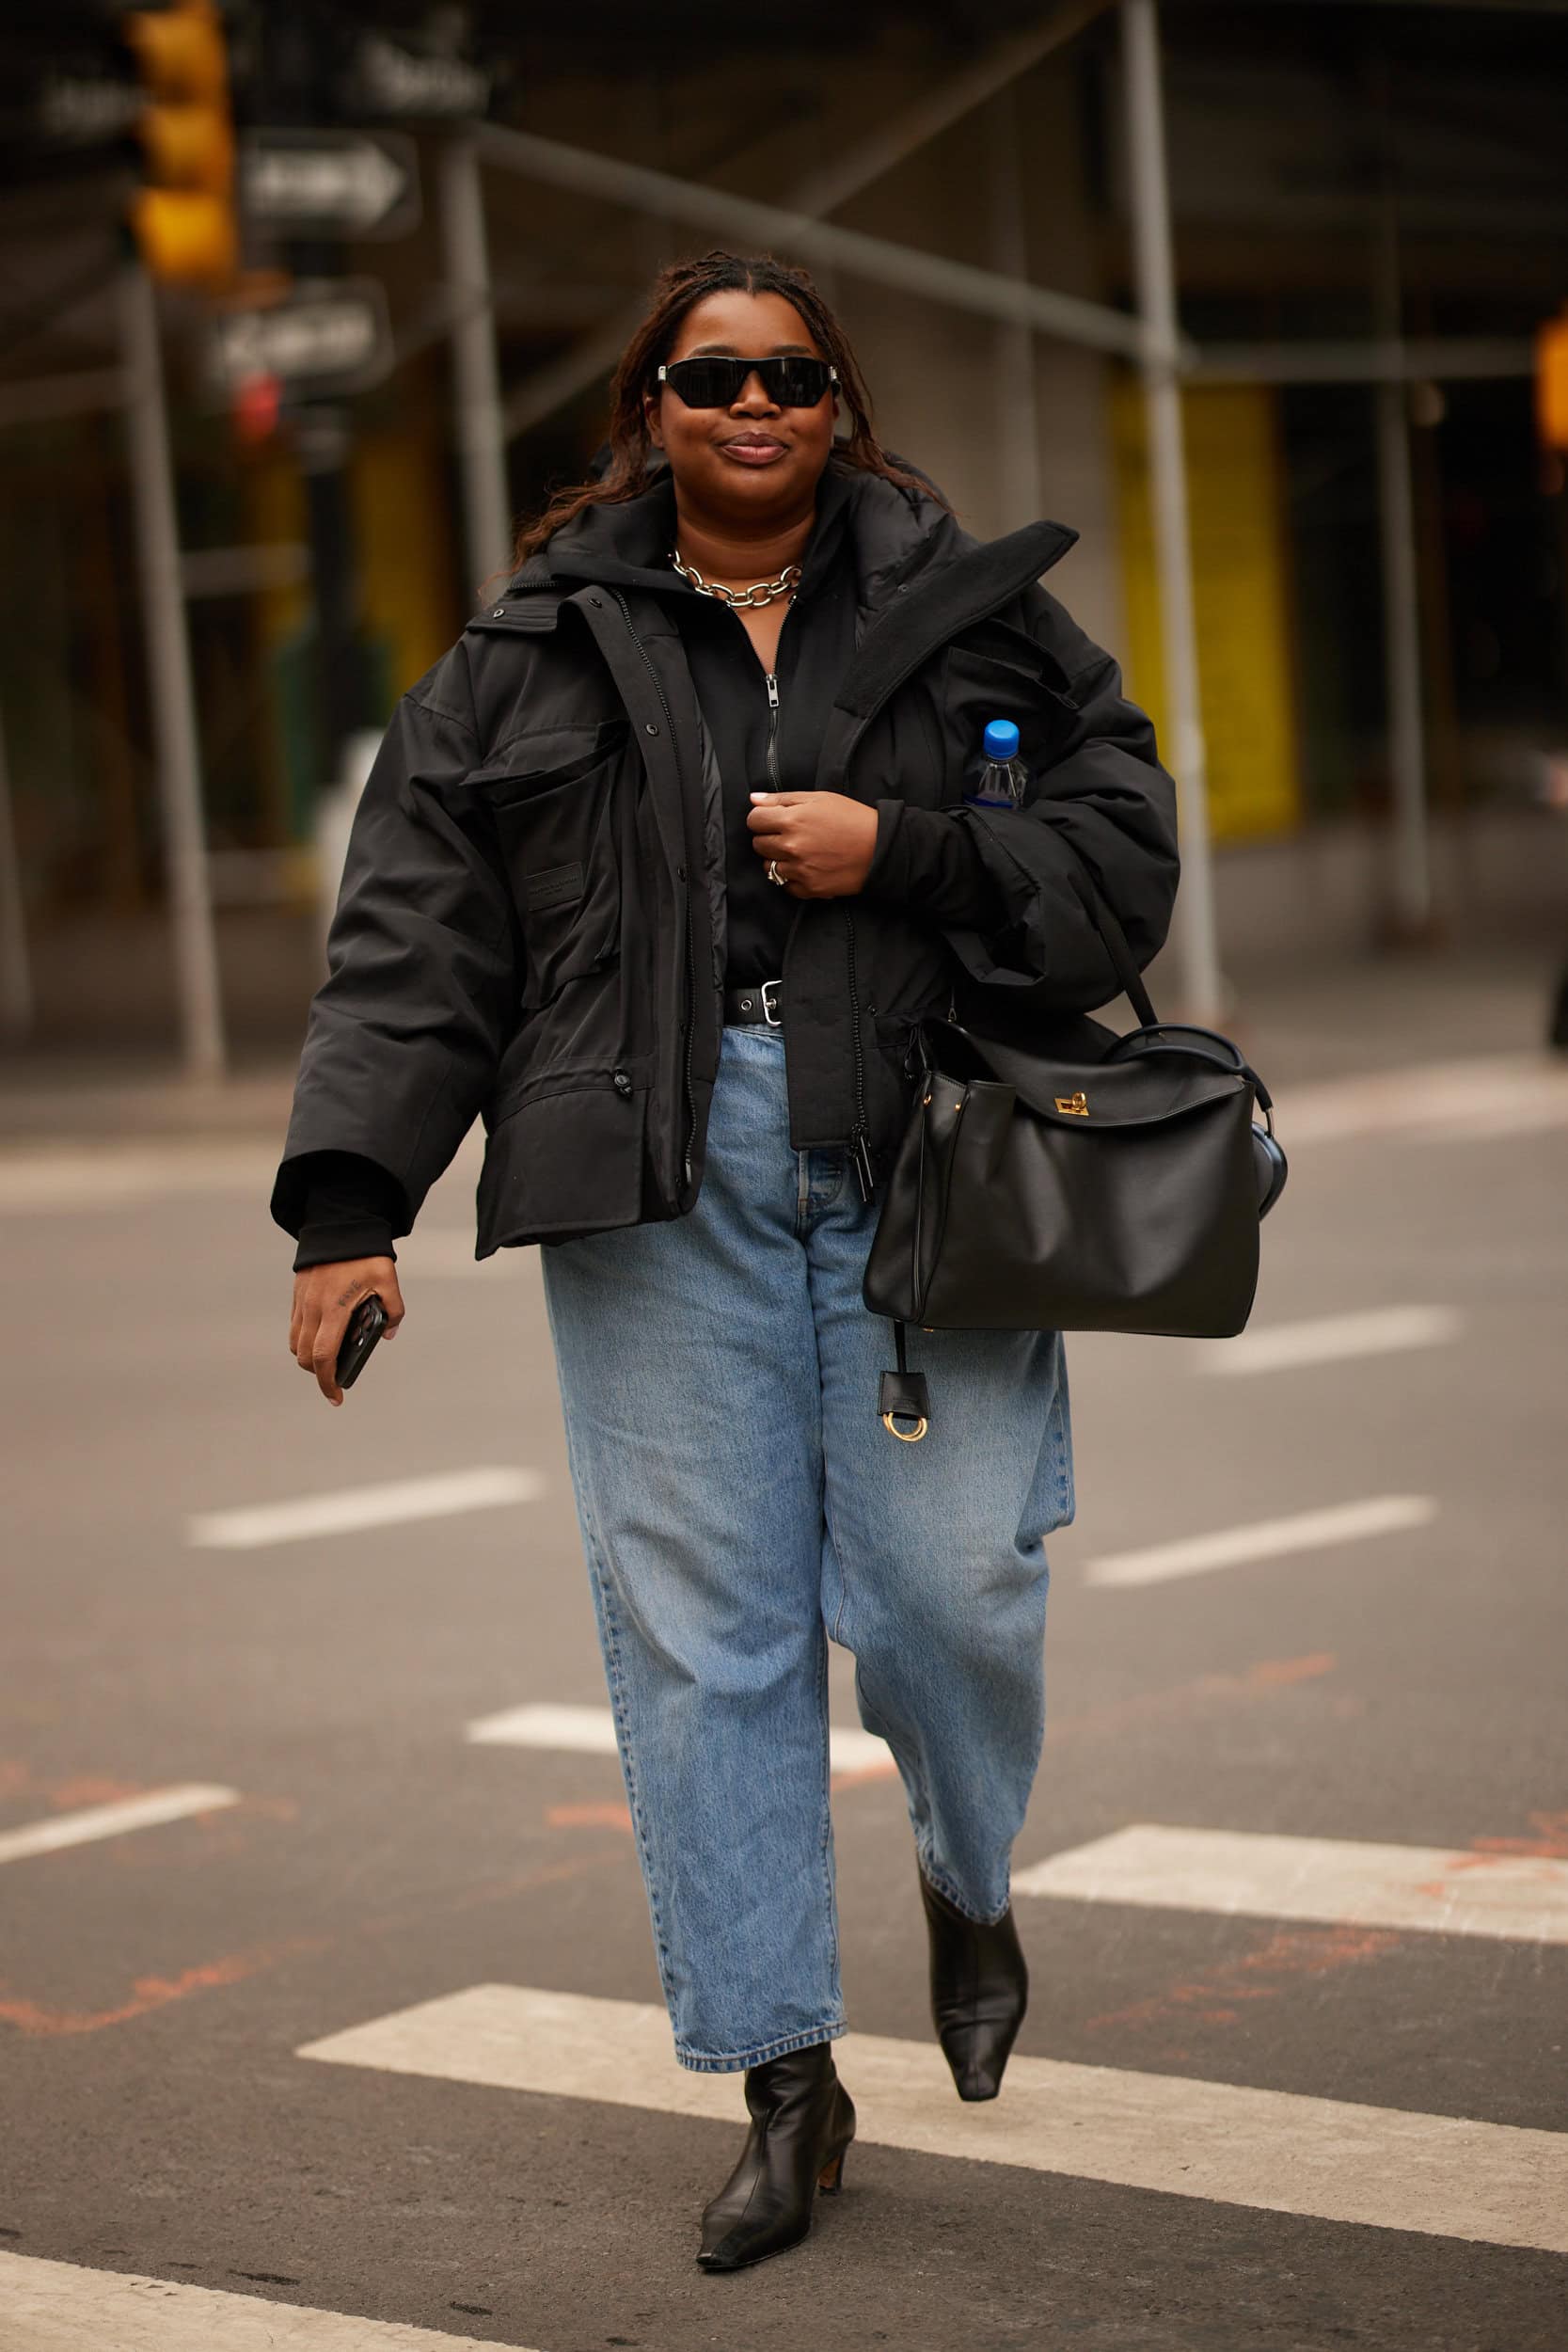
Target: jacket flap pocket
546 758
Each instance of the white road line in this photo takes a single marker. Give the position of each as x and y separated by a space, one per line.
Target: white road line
581 1730
1452 1102
53 1184
56 2307
113 1821
1329 1340
590 1731
1266 1539
385 1506
1523 1898
1386 2168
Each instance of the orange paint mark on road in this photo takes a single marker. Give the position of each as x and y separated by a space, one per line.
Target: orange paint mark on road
1271 1673
1285 1956
1259 1680
150 1992
589 1817
1550 1842
69 1796
1265 1677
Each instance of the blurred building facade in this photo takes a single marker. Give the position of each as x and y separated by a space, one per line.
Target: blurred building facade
1345 179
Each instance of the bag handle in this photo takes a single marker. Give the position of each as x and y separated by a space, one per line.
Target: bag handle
1113 939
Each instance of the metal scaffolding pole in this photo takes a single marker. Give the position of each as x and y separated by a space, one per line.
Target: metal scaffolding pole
172 692
480 429
1410 874
16 980
1018 442
1161 359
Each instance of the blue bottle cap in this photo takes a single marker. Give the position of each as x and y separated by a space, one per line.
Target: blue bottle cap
1000 740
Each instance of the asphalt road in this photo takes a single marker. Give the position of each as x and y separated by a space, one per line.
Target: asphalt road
1401 1688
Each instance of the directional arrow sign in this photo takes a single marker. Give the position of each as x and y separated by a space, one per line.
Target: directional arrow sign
334 336
324 183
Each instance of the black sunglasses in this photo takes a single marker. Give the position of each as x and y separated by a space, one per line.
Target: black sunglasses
789 383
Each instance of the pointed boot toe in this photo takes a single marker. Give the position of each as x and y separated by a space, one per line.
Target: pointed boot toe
802 2121
979 1992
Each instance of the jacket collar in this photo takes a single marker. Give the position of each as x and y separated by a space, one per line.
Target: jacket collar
921 577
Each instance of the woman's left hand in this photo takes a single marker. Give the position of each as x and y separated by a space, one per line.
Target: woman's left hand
821 843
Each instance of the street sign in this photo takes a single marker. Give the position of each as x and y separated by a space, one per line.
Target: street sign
386 81
331 335
307 184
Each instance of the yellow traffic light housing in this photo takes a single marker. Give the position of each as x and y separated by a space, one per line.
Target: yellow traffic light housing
1551 382
185 219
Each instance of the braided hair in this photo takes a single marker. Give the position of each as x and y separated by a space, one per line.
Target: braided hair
675 290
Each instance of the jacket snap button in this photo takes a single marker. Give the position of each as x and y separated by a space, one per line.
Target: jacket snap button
621 1082
500 614
650 727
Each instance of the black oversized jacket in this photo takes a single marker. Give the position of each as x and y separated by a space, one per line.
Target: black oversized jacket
531 925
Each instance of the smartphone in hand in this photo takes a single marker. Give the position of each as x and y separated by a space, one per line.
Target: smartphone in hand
365 1326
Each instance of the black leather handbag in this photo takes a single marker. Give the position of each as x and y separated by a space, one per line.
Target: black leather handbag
1032 1193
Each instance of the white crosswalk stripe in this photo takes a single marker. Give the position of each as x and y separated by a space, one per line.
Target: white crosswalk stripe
58 2307
1460 1102
1327 1339
389 1504
1383 2167
93 1821
590 1731
1522 1898
1264 1539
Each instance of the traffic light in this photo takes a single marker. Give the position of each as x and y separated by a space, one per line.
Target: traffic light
183 218
1551 382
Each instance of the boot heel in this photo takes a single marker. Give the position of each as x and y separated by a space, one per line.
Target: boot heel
831 2179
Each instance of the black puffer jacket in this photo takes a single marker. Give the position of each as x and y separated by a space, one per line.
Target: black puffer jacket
530 926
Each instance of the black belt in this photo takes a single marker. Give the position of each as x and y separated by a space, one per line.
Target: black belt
754 1007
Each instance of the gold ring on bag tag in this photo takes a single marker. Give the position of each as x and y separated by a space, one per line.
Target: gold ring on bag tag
904 1397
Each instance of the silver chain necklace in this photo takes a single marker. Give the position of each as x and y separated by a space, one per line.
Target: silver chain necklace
761 591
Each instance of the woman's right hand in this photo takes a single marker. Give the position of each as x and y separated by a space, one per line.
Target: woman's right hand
324 1297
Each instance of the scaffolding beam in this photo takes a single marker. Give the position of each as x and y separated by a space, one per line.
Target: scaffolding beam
983 293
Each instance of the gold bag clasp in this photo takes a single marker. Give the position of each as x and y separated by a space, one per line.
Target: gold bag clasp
1074 1105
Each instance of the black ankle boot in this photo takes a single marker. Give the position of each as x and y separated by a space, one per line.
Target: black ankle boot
801 2123
979 1991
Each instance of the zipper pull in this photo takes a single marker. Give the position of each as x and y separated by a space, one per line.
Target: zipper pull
865 1174
772 691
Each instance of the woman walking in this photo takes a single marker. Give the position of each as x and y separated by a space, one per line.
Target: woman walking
656 870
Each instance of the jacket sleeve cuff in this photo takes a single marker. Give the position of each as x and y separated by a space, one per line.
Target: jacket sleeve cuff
350 1211
334 1245
927 862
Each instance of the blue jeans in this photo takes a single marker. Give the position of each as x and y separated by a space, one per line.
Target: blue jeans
741 1504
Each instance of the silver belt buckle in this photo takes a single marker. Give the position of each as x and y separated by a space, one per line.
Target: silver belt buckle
769 990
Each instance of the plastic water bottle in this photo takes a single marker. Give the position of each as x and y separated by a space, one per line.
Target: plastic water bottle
1003 779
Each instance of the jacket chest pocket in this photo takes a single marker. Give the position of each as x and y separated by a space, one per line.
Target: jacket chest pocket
558 802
